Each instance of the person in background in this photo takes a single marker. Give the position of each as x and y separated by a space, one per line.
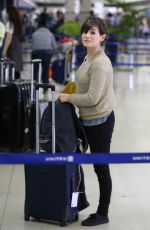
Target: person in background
45 14
12 45
59 21
22 18
43 45
95 99
91 13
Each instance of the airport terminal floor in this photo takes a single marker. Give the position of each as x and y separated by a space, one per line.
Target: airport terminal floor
130 202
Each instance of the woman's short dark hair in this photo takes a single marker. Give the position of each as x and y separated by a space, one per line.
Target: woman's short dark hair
94 22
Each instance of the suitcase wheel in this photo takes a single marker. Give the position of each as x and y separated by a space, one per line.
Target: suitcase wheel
63 223
26 211
37 219
77 217
26 217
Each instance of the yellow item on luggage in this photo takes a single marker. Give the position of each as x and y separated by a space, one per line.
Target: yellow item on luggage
70 88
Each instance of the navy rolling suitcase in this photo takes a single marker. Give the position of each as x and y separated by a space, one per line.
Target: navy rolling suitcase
58 71
63 66
48 193
49 188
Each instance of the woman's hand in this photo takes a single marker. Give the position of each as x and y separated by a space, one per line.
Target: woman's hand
64 97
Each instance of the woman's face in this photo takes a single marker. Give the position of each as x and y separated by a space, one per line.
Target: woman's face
92 38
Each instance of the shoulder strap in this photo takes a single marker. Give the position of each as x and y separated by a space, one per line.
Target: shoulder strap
80 130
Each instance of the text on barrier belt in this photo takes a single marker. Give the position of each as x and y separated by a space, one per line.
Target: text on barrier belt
63 158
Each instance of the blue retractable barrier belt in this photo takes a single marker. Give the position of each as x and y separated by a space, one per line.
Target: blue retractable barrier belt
46 158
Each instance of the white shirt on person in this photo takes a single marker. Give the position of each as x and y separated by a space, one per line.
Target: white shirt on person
2 33
9 27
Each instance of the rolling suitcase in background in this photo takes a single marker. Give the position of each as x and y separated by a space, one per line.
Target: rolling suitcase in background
49 188
14 96
17 110
58 69
30 121
81 52
63 66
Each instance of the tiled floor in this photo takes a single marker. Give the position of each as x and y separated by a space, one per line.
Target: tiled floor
130 204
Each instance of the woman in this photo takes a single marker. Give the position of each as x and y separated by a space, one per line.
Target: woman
12 44
95 100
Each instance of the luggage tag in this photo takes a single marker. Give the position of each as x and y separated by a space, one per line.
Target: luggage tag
74 201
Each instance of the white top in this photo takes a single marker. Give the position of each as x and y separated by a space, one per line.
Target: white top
9 27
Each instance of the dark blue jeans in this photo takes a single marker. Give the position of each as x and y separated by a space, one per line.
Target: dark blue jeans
99 139
45 56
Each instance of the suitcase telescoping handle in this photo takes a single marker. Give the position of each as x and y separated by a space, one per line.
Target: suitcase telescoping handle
9 74
2 72
6 66
33 62
52 87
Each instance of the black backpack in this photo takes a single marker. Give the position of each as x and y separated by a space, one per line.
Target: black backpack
70 133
